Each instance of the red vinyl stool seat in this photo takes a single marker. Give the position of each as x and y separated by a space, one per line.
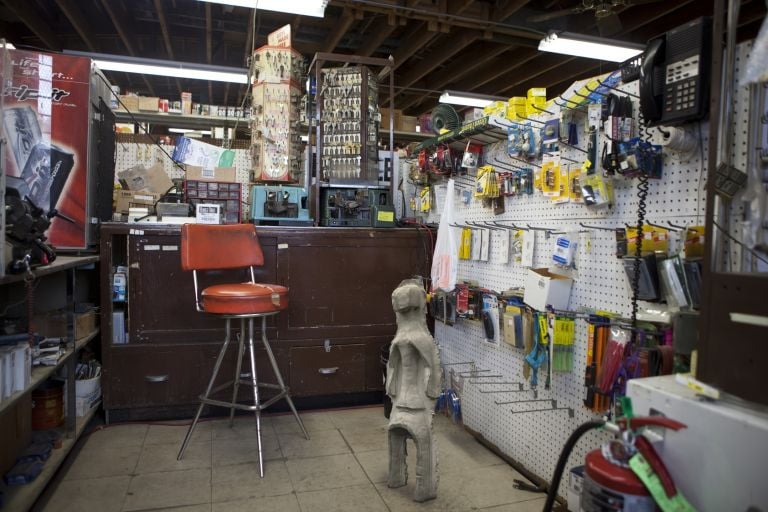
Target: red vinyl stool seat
214 247
244 298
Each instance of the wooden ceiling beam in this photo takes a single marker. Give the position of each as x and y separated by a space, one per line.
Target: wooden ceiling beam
166 35
337 33
445 19
462 67
209 45
75 16
23 9
442 53
109 7
377 36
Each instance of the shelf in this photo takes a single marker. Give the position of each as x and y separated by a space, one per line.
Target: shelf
181 121
61 263
24 496
407 136
41 373
486 130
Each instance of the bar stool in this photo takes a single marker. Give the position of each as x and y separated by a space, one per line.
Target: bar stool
216 247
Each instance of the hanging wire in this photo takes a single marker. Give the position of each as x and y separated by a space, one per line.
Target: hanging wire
739 242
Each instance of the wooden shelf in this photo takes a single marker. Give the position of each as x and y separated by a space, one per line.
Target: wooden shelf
41 373
180 120
24 496
61 263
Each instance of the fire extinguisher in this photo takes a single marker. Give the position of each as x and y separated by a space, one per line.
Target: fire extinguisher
609 483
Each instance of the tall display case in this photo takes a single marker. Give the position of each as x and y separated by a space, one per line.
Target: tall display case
346 119
350 134
276 147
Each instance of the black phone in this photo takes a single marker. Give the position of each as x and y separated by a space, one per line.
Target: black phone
675 75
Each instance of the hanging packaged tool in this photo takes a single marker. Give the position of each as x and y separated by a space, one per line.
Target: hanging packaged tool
486 183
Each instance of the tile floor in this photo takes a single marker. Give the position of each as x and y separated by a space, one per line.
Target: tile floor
342 468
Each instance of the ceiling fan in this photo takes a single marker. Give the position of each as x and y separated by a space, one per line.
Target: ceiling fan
608 22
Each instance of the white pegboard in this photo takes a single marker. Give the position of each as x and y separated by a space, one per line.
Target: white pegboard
130 154
535 439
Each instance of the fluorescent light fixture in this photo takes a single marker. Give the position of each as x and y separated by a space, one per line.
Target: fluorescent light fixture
10 46
469 99
314 8
165 68
591 47
186 130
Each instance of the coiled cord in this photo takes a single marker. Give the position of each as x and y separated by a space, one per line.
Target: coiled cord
642 196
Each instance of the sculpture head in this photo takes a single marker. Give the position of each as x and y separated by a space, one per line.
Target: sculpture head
409 296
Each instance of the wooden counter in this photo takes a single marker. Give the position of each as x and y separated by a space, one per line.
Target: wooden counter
339 315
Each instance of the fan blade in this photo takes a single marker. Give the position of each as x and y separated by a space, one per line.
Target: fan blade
555 14
609 25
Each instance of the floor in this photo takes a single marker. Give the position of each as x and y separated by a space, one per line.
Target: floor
342 468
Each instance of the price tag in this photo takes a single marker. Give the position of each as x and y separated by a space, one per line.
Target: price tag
650 479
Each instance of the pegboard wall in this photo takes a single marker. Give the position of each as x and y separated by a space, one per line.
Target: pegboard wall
496 400
131 154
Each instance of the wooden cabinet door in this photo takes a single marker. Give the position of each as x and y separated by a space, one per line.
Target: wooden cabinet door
341 284
161 297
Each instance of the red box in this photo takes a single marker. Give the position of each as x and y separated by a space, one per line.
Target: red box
39 123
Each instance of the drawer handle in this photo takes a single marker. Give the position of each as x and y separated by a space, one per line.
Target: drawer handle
156 378
328 371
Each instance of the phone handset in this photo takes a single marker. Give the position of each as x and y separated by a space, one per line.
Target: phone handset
651 96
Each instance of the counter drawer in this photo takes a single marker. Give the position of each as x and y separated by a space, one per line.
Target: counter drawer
317 371
137 378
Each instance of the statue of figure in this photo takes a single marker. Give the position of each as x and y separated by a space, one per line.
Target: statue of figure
413 383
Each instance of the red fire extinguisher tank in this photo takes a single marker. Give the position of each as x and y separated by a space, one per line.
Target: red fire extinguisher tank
608 487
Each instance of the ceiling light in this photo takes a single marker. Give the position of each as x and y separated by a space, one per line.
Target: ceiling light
165 68
303 7
186 130
10 46
469 99
591 47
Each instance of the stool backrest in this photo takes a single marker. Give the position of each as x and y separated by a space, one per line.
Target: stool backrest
210 247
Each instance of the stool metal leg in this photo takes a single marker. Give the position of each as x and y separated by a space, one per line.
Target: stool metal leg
255 382
207 392
238 369
278 376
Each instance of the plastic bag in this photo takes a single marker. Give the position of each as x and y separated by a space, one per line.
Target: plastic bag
755 70
445 259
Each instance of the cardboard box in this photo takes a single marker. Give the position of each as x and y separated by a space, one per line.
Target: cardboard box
54 324
186 103
543 288
408 123
129 103
141 179
148 103
225 174
126 199
386 113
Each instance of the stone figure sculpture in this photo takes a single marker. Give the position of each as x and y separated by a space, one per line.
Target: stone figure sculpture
413 383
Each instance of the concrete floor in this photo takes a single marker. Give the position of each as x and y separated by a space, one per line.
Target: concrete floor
342 468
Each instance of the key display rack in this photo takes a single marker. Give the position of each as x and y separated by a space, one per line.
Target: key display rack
276 146
346 99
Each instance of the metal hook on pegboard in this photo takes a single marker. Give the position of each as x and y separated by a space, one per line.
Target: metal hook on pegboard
569 409
519 386
552 401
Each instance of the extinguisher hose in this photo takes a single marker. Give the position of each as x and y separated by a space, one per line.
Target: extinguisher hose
563 460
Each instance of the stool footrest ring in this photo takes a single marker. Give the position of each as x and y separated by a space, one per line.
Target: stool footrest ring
243 407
